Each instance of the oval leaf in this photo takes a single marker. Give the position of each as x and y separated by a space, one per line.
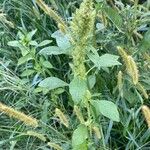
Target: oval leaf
52 83
106 60
106 108
79 136
51 50
62 40
77 88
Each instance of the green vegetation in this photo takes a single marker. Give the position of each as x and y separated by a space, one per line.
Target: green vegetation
74 75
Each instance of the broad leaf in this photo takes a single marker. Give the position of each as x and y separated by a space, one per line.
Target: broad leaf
106 60
83 146
78 88
52 83
106 108
62 40
80 136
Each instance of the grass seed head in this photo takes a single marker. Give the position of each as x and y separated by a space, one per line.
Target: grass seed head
63 119
79 114
96 131
146 113
54 15
18 115
54 145
35 134
142 90
133 70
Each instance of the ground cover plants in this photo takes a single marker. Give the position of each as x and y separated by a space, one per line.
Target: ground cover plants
74 75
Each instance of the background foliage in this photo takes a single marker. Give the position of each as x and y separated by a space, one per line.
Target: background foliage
28 56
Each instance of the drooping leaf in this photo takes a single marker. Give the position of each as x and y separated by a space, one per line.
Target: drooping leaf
106 60
44 113
24 49
145 43
78 88
106 108
114 16
91 81
52 83
79 137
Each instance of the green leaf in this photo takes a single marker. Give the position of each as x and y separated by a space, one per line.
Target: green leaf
45 42
14 43
47 64
24 50
145 44
62 40
24 59
100 26
38 90
27 72
78 88
106 60
106 108
52 83
91 81
80 136
33 43
83 146
31 34
114 16
51 50
44 113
